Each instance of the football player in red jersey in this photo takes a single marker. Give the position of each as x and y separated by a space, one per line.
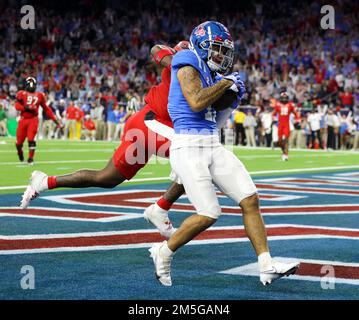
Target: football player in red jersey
28 102
138 144
284 108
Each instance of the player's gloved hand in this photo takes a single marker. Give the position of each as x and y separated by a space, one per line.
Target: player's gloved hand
235 77
238 85
182 45
240 89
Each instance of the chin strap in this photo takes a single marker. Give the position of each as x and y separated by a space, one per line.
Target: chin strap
213 66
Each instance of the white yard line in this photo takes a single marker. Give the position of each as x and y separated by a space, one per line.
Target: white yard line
55 162
305 169
293 150
64 150
133 180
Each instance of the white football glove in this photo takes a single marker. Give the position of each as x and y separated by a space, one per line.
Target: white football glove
235 77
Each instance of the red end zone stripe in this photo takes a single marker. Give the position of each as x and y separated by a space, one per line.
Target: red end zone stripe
59 213
314 269
318 181
305 189
135 238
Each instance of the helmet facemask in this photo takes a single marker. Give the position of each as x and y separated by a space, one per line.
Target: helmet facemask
284 97
220 55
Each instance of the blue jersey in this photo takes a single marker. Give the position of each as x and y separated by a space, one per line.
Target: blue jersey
184 119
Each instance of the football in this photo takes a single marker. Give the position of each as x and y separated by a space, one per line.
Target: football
224 102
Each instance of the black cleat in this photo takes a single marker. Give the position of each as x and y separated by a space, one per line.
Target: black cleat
21 157
30 161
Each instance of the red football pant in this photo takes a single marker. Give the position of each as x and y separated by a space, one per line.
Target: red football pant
26 128
283 130
138 144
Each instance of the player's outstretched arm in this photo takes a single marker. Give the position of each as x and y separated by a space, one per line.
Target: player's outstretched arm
50 113
162 55
200 98
19 106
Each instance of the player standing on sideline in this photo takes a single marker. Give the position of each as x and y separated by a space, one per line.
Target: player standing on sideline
284 108
197 156
28 102
3 121
137 138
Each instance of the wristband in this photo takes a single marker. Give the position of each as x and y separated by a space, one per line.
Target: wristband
161 54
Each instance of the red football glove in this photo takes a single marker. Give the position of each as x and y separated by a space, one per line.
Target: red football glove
182 45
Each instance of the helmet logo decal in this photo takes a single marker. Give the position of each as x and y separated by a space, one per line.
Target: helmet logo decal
200 32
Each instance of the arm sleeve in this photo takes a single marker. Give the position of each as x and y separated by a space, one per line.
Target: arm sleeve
295 113
19 102
164 52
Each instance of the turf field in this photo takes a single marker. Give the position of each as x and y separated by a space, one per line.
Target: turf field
57 157
92 243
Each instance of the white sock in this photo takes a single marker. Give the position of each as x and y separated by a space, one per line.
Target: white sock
264 261
44 184
165 251
161 211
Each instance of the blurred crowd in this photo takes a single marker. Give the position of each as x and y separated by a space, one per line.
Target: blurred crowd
319 128
97 59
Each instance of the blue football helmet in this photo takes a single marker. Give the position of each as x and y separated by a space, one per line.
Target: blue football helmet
212 42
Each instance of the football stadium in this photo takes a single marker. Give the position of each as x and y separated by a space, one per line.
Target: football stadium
179 150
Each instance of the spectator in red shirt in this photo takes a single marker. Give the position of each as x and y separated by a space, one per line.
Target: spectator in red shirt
89 129
72 113
347 99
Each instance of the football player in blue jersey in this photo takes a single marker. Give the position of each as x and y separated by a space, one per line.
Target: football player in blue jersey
197 157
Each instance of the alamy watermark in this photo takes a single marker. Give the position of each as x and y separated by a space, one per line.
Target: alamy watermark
328 20
28 20
28 280
328 280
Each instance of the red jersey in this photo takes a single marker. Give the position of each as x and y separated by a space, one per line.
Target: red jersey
79 114
33 100
71 112
283 110
347 98
157 97
109 99
74 113
89 125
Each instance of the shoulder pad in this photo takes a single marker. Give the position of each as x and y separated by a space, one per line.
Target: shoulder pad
188 58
